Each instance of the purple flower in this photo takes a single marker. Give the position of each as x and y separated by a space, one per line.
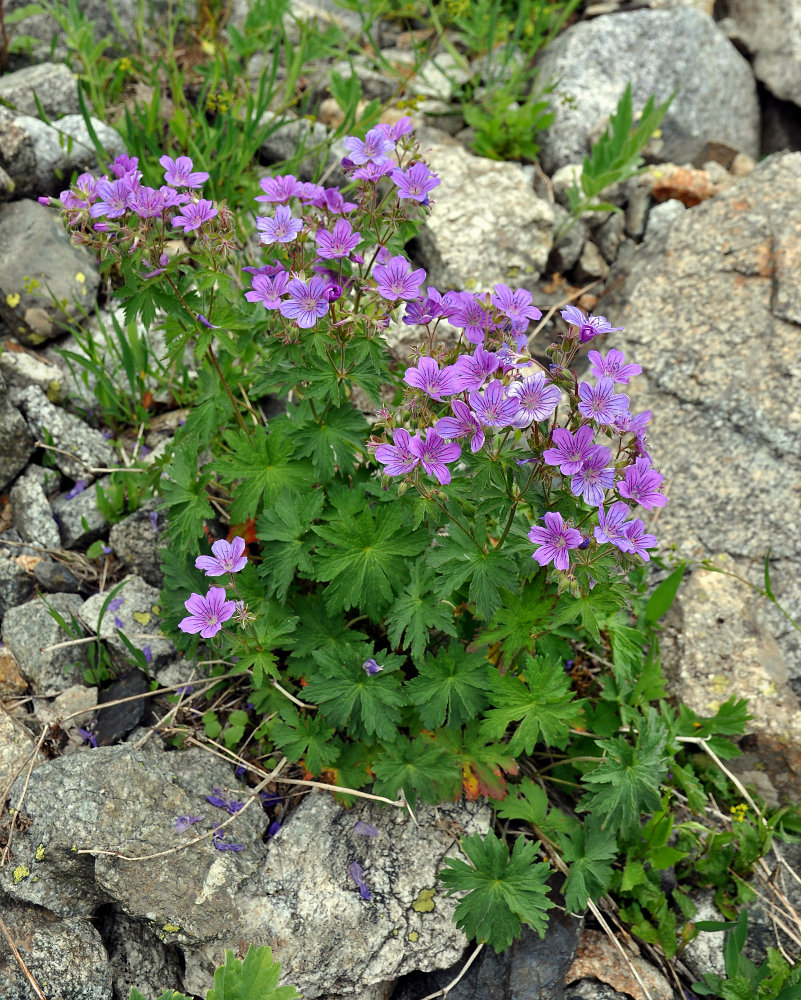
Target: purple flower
356 872
612 366
123 165
106 549
88 736
218 799
147 653
113 197
273 828
401 127
338 243
306 302
154 520
537 399
194 214
612 526
221 845
280 188
308 192
396 280
365 829
79 487
416 182
228 558
641 484
398 458
464 424
147 202
268 290
371 668
207 614
594 476
600 402
118 622
428 377
474 369
431 306
515 305
554 540
282 229
433 453
374 147
472 317
588 326
572 449
492 407
183 823
639 540
373 172
180 173
331 200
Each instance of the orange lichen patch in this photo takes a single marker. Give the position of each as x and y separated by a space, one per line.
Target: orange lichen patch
683 184
11 680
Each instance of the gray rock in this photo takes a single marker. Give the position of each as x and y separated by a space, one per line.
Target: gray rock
610 235
79 520
33 517
567 248
7 185
24 368
471 239
16 443
137 615
86 447
16 585
591 266
320 155
66 956
375 85
139 958
771 29
637 211
659 51
137 541
661 218
724 383
54 84
30 629
705 952
37 259
16 746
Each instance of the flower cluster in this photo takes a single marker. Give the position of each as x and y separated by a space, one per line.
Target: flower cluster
208 614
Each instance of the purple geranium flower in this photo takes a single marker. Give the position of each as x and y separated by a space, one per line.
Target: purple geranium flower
147 202
612 526
183 823
588 326
401 127
536 398
398 458
228 557
493 408
464 424
87 736
279 189
600 402
268 289
474 369
79 487
124 164
282 229
472 316
374 147
113 198
356 872
371 667
416 182
338 243
430 306
207 614
639 540
373 172
220 843
365 829
181 173
572 449
433 453
428 377
193 215
396 280
515 305
641 484
554 540
331 200
306 302
594 476
612 366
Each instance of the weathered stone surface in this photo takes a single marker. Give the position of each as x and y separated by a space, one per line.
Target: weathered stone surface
289 136
138 958
11 680
37 258
137 541
68 433
722 374
65 956
55 577
135 610
79 520
16 585
29 629
32 515
772 31
16 443
54 84
16 747
661 218
22 368
598 958
659 51
472 237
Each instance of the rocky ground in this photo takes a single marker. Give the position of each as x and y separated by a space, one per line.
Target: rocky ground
702 268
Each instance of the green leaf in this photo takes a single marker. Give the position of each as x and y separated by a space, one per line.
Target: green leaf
627 782
593 609
365 558
258 471
459 560
530 804
323 632
520 619
287 526
416 611
483 762
332 441
539 699
306 736
420 767
589 850
451 687
183 494
503 892
664 595
254 979
348 696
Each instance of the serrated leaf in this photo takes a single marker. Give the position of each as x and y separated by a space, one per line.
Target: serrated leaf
416 611
589 851
420 767
451 687
592 609
503 892
530 804
306 736
286 526
255 978
519 618
183 496
459 560
336 439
